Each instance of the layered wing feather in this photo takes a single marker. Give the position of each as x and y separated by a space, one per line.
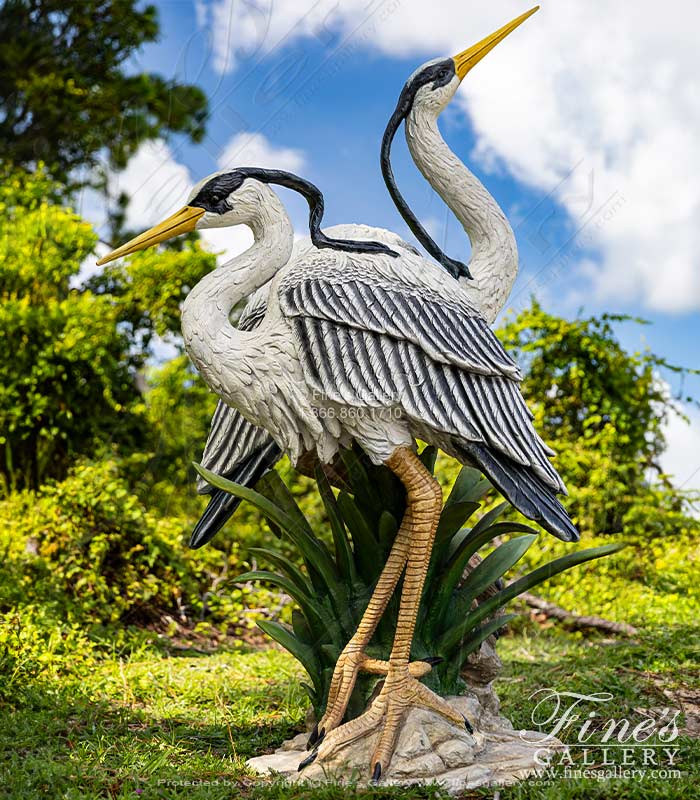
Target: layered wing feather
373 341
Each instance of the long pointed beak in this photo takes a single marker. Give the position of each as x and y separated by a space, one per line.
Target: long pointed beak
182 221
465 60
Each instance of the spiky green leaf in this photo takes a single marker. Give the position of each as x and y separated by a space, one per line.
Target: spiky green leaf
311 607
387 529
287 567
315 553
428 457
495 530
490 570
469 487
302 652
359 480
455 635
272 486
472 642
343 550
365 545
452 519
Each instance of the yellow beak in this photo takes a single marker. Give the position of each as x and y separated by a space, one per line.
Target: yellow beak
465 60
182 221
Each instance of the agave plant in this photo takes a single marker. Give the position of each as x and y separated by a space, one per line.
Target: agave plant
334 587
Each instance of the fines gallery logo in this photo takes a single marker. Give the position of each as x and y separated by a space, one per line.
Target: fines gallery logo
597 744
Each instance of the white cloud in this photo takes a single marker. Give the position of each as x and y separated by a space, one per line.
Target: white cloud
89 267
604 89
613 96
227 243
248 149
163 350
243 30
434 227
156 183
91 206
682 458
254 150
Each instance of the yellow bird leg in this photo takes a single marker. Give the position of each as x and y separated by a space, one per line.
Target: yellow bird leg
352 658
401 688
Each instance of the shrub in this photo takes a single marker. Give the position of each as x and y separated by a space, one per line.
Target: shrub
88 547
35 648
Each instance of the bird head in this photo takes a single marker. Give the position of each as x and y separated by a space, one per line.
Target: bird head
210 205
230 197
434 84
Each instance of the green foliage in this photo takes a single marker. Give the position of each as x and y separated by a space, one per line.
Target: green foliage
88 549
149 287
179 408
66 373
603 411
335 588
583 383
651 582
70 355
37 649
180 725
66 95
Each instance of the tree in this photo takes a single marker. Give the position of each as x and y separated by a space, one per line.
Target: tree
70 357
65 91
603 410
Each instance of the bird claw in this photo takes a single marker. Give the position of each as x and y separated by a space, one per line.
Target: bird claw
308 760
349 665
399 693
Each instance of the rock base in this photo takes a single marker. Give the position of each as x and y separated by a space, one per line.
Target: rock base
429 750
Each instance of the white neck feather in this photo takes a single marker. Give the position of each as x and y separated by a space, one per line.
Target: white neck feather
206 324
494 260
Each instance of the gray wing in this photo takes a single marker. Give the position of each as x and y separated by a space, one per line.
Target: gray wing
232 439
377 344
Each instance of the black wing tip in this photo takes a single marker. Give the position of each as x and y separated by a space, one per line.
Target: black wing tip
525 491
565 532
222 505
220 509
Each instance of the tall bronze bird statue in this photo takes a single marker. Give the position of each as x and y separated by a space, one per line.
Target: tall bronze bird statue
366 341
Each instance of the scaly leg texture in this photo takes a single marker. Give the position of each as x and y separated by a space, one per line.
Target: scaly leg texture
401 688
353 658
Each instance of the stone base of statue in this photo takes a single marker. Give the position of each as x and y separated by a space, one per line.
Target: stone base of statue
429 750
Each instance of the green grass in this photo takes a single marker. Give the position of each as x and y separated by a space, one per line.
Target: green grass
177 724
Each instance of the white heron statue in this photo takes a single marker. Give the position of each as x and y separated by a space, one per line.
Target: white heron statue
366 341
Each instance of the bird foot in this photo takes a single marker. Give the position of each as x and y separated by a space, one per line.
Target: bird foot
400 692
350 663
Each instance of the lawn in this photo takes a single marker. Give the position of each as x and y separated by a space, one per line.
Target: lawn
167 721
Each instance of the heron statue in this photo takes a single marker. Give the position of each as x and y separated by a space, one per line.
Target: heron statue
239 452
359 339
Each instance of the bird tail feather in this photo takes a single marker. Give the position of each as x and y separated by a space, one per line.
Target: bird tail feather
524 490
222 505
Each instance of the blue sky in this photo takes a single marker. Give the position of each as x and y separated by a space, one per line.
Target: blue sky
315 83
